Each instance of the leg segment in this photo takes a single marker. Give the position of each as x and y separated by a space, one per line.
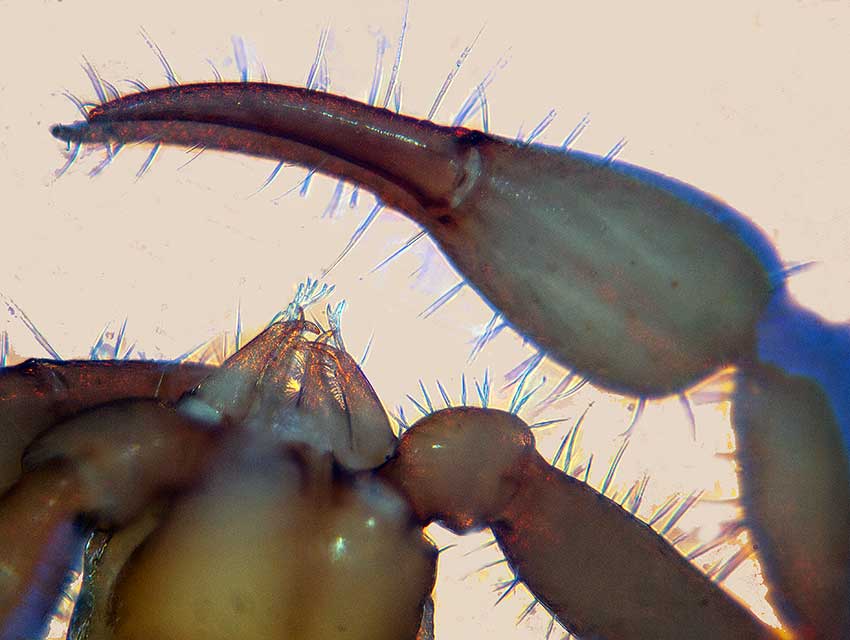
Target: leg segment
791 414
37 394
103 466
39 539
602 572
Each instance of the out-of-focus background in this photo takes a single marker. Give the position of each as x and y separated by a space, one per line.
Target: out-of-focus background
745 100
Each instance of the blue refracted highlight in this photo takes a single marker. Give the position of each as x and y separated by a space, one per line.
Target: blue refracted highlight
801 343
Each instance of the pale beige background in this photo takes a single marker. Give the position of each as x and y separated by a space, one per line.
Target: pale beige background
748 100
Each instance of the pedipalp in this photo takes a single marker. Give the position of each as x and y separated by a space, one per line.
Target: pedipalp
640 283
464 187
